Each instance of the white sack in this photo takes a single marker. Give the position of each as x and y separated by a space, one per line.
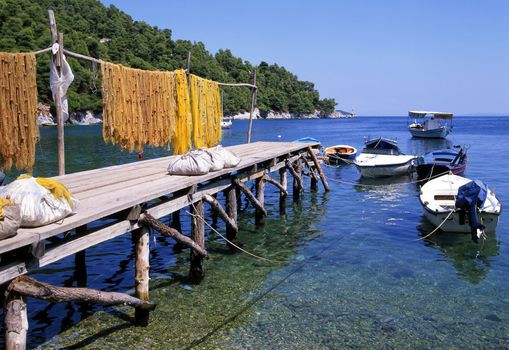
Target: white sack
11 221
216 160
63 82
192 163
229 158
37 205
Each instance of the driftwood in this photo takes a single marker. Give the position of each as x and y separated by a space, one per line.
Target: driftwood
28 286
319 169
270 180
250 196
230 223
16 322
296 175
157 225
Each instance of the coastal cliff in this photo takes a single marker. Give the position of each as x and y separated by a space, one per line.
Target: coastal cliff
286 115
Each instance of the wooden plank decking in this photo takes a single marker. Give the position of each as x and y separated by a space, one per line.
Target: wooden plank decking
106 191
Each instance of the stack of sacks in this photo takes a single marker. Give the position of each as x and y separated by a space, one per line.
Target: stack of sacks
41 201
202 161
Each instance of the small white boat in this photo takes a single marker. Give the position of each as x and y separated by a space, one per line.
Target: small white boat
382 157
431 125
443 199
226 123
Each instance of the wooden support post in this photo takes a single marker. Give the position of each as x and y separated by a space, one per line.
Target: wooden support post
80 263
298 185
250 196
215 212
260 196
297 179
218 209
231 209
57 61
319 169
238 195
282 190
16 321
283 178
157 225
141 279
28 286
196 271
253 104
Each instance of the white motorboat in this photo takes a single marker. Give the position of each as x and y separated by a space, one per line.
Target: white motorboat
382 157
436 125
226 123
447 204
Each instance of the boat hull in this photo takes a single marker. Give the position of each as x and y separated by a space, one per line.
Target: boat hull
340 152
384 170
456 224
439 133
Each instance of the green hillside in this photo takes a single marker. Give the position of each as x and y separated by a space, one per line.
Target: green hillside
92 29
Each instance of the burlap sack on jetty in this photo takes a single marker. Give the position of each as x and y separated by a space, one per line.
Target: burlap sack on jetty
41 201
230 160
10 218
196 162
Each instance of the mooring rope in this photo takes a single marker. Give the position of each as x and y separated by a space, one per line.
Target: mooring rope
255 300
438 227
230 242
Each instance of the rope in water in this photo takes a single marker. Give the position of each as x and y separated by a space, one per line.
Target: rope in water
436 228
230 242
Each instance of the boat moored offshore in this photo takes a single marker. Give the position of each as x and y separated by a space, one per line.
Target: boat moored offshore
382 157
457 204
436 125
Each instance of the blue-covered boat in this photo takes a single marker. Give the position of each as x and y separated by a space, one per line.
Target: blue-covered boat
440 162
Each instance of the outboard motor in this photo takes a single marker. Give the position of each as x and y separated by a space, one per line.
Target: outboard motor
470 197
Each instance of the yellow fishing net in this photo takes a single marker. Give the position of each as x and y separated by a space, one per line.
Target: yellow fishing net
153 108
18 107
206 111
139 107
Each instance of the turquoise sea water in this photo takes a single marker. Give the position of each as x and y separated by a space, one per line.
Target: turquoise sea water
355 275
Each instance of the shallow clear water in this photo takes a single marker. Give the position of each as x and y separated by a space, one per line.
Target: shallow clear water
355 274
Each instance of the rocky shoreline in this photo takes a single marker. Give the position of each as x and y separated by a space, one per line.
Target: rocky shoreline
45 118
285 115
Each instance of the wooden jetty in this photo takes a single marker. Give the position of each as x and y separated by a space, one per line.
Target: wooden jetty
133 197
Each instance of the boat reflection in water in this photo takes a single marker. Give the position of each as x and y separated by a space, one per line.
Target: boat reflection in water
421 146
472 261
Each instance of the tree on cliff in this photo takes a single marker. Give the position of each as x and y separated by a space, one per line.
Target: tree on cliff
92 29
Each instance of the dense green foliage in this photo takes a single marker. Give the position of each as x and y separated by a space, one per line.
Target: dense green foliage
92 29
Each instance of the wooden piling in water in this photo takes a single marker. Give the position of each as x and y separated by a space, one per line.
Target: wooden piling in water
196 271
260 196
80 261
16 321
230 194
141 279
319 169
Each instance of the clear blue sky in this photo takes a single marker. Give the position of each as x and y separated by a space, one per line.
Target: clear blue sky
381 57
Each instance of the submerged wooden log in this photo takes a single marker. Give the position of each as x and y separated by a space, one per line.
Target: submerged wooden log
260 196
141 279
270 180
319 169
16 322
230 223
250 196
28 286
157 225
196 271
